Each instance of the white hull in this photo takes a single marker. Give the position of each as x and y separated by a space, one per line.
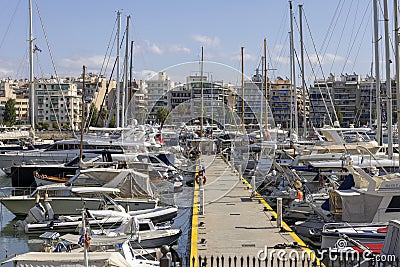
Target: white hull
72 205
364 233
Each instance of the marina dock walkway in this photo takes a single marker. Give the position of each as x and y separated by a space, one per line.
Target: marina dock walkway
234 223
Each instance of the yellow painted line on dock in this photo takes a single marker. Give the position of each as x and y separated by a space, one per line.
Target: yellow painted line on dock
195 225
286 227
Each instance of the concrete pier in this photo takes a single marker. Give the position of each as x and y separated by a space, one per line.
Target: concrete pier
234 223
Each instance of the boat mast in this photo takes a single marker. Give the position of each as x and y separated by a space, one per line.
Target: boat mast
83 114
31 82
125 84
293 66
118 90
370 98
389 120
266 87
201 92
242 53
397 65
378 83
303 83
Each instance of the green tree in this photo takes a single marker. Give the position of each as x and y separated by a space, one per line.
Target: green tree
162 114
102 117
339 115
66 126
45 126
94 113
10 112
112 123
56 126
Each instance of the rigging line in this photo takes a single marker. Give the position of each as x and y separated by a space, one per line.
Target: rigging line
9 24
332 25
47 90
322 71
341 36
359 47
283 36
355 37
107 86
281 54
323 51
114 104
53 64
108 51
351 34
270 57
320 91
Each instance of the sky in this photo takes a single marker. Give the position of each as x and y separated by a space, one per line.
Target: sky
337 37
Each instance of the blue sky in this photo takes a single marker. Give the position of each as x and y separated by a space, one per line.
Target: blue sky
167 33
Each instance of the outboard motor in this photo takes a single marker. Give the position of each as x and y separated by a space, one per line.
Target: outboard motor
49 209
36 214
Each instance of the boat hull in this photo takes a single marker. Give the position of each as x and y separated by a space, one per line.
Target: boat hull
20 206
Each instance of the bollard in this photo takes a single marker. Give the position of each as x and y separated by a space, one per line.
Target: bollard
201 195
253 185
279 212
165 261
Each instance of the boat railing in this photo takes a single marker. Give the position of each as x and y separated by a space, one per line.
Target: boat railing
16 191
372 156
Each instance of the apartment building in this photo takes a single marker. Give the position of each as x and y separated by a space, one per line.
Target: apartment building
157 95
58 104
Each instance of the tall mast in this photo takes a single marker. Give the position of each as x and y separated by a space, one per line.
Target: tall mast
118 91
125 84
130 74
389 120
293 66
303 83
266 86
377 75
201 92
397 63
83 114
242 53
31 81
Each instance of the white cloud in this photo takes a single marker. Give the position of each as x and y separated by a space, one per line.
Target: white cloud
281 59
206 40
6 72
153 48
247 57
178 49
145 74
329 58
91 62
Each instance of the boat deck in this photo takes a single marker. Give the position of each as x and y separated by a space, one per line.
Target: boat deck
234 223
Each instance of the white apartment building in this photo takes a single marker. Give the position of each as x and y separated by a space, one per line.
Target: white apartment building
58 104
157 94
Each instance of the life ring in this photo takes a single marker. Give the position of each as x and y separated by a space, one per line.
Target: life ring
87 240
198 179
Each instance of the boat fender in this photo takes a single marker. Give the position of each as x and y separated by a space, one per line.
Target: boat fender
198 179
87 240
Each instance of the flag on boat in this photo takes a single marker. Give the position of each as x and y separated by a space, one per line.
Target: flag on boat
36 49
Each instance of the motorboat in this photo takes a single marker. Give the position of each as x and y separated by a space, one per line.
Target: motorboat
68 200
142 234
371 233
41 218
